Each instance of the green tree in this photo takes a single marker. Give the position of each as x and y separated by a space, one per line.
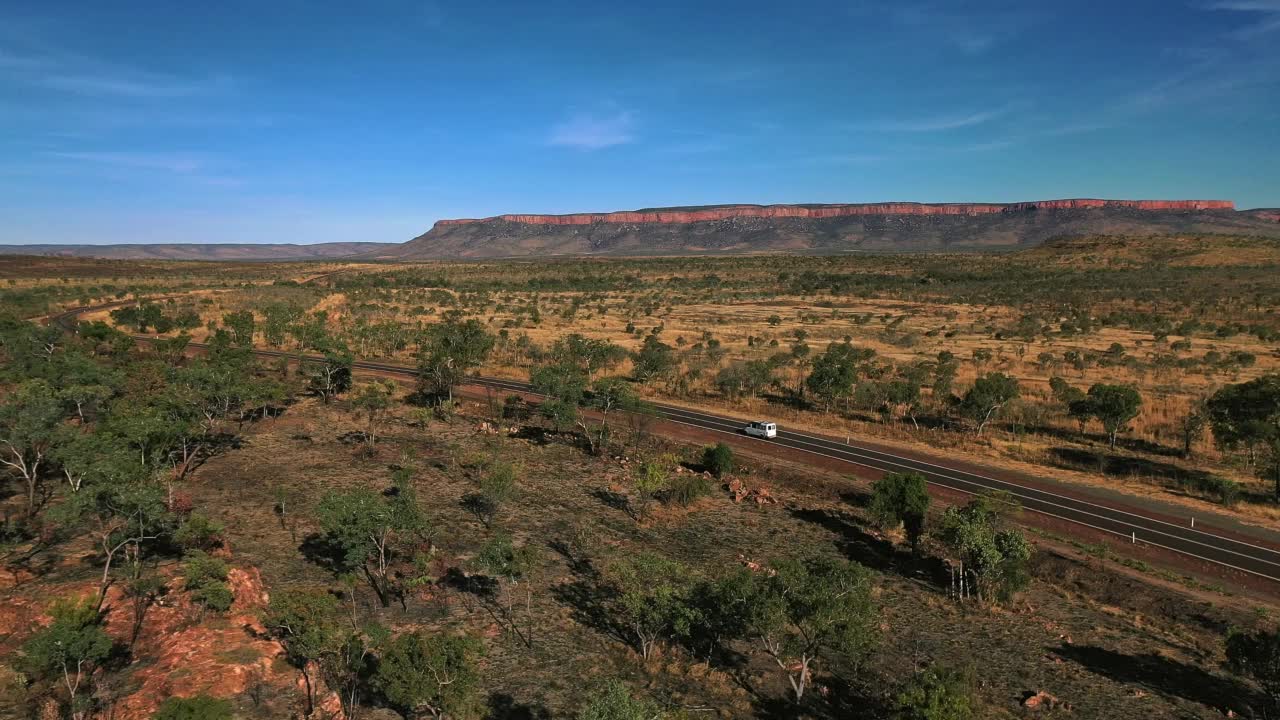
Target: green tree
448 352
1192 424
91 458
278 318
995 556
68 650
718 459
1257 655
372 401
834 372
564 387
651 477
653 599
368 529
615 702
988 396
330 375
1064 392
313 633
902 499
944 377
802 612
126 514
199 532
142 590
431 675
588 355
205 578
29 419
654 361
241 326
1112 405
937 694
608 395
1248 414
511 565
197 707
497 486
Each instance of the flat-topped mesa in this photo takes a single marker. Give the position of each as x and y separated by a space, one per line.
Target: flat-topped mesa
726 212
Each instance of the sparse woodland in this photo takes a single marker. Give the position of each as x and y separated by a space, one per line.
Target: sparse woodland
274 537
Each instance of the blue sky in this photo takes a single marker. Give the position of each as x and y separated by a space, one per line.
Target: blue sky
295 121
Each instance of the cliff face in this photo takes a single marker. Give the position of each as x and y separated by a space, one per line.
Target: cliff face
830 211
881 227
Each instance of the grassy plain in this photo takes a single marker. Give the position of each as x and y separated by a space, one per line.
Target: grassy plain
1175 317
1102 637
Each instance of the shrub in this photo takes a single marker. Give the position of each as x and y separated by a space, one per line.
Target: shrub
901 499
684 488
1228 492
937 694
718 459
1257 655
206 580
199 532
199 707
69 649
614 702
433 674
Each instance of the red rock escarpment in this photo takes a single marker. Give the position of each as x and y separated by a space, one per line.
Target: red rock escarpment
827 211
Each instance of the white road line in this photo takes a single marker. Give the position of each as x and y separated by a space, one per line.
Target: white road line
728 425
886 459
1042 512
795 437
733 430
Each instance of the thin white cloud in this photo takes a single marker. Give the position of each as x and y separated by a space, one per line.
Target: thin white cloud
79 75
969 30
939 123
1267 12
178 163
588 131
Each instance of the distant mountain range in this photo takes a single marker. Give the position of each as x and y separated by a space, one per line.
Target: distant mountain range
880 227
740 229
197 251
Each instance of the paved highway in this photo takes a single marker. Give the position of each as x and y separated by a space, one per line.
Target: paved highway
1130 524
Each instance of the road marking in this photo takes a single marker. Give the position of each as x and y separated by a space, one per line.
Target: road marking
716 423
1016 491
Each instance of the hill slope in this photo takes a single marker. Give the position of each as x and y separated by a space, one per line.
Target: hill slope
883 227
195 251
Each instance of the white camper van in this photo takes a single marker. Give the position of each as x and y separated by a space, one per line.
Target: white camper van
761 429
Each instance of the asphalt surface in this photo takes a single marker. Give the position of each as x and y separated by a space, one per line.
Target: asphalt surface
1131 524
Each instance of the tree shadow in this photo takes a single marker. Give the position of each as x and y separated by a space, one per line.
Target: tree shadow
856 498
579 565
480 506
856 543
863 547
1163 675
589 601
614 500
532 433
502 706
845 699
481 586
322 551
1111 464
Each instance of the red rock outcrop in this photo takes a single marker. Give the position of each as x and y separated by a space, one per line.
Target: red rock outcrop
827 211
